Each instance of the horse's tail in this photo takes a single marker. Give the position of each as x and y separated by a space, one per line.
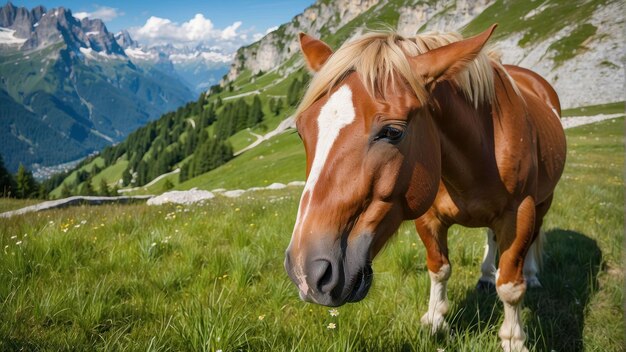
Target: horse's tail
539 247
534 260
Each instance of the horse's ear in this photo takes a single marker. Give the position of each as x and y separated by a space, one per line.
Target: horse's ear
315 51
445 62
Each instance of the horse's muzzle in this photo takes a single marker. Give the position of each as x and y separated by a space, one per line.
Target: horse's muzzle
332 274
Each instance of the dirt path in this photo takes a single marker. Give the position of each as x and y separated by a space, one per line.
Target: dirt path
282 127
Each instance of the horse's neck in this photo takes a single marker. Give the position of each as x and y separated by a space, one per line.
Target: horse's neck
476 143
466 134
463 127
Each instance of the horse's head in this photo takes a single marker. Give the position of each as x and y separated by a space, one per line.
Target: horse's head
373 156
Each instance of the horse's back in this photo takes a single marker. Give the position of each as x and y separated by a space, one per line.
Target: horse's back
536 84
543 106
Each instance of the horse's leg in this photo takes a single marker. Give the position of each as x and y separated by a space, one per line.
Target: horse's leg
434 236
514 232
487 281
533 258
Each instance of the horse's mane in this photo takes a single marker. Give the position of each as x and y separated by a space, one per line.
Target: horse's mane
381 57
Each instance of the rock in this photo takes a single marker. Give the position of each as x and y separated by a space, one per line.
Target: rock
296 184
181 197
234 193
276 185
76 200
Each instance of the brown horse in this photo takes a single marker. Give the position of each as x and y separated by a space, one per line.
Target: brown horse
432 129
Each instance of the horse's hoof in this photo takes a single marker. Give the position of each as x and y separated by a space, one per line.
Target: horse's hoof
485 286
435 323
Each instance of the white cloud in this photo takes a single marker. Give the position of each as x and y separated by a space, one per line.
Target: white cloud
230 32
198 30
271 29
104 13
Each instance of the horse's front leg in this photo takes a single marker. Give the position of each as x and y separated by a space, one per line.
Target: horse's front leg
514 233
434 236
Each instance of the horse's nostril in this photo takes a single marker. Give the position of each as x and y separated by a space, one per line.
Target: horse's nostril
322 276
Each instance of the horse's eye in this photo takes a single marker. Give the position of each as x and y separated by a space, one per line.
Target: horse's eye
391 134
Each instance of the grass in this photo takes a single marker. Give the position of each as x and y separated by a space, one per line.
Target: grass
8 204
610 108
568 47
210 276
518 17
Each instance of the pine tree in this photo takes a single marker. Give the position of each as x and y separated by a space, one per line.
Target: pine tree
184 173
167 185
272 105
65 191
279 106
256 112
293 95
26 185
104 188
126 177
7 183
87 188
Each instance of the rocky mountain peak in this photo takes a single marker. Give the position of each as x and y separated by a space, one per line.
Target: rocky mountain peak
41 28
124 40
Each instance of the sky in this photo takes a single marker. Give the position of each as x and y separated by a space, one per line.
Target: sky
226 24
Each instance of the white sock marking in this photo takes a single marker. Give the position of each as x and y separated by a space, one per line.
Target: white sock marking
512 332
438 301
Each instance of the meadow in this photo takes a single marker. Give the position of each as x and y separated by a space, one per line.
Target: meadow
210 276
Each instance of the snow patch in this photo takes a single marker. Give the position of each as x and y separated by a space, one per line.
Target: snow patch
95 55
7 37
141 55
209 56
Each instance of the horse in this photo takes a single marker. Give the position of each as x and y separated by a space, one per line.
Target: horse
430 128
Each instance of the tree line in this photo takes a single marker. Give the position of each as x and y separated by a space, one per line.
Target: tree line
21 185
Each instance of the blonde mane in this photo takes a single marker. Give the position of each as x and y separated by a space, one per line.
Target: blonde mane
381 57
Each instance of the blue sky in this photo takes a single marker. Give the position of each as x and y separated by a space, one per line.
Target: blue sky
233 22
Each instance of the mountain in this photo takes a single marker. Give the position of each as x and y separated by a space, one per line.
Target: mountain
577 45
199 66
68 89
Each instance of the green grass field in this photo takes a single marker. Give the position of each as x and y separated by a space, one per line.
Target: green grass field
210 277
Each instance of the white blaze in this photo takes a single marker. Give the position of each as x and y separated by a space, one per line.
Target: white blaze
337 113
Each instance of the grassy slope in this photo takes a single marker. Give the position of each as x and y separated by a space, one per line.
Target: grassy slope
71 179
280 159
211 277
611 108
511 18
